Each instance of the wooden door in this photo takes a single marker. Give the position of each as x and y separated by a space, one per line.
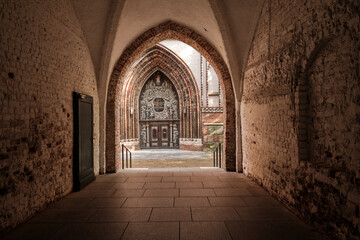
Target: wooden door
159 135
164 135
154 136
83 141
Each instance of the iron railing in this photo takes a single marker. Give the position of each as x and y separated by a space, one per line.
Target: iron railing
217 156
125 156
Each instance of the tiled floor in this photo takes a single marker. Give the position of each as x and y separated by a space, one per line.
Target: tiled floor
179 203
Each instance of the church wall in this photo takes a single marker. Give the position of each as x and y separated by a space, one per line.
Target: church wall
44 58
300 111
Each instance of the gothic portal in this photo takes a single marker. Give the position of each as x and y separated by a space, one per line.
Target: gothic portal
159 113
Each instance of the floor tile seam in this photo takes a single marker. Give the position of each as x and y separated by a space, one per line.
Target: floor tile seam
151 211
122 235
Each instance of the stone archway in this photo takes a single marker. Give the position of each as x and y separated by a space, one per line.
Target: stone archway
168 30
159 59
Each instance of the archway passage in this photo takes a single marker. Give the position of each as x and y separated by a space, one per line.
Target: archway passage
123 70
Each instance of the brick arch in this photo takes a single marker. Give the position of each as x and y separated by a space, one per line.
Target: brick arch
170 30
157 59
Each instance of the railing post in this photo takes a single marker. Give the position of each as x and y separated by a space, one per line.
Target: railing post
214 158
220 153
122 156
126 158
130 160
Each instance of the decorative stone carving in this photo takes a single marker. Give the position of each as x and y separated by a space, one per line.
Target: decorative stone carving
175 134
158 100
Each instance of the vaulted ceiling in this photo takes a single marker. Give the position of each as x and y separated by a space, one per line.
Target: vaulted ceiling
110 26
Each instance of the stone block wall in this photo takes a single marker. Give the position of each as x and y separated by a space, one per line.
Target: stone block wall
300 110
44 58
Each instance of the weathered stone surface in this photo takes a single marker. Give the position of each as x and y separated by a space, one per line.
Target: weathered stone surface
300 110
44 57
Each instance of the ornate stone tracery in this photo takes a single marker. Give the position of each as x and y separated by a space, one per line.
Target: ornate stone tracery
159 101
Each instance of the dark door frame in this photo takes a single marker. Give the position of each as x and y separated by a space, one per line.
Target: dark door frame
82 176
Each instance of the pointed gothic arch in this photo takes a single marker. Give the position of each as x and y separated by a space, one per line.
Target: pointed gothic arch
123 70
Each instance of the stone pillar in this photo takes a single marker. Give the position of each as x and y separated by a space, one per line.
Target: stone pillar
171 135
147 136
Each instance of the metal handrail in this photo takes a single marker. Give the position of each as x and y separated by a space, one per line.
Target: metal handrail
217 156
127 152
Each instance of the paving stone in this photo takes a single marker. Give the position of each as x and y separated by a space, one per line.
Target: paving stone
149 202
71 203
204 230
106 202
129 185
170 214
90 231
216 184
143 179
159 185
121 215
176 179
227 202
128 193
100 185
151 231
214 214
189 185
232 192
41 231
62 215
91 193
262 214
161 193
192 202
196 192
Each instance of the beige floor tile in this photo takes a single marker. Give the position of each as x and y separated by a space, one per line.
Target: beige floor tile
204 230
91 193
106 202
106 179
261 201
214 214
62 215
100 185
152 231
189 185
192 202
264 214
128 193
170 214
232 192
32 231
227 202
196 192
183 174
176 179
149 202
91 231
162 192
129 185
121 215
205 179
160 174
159 185
253 230
71 203
143 179
216 184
